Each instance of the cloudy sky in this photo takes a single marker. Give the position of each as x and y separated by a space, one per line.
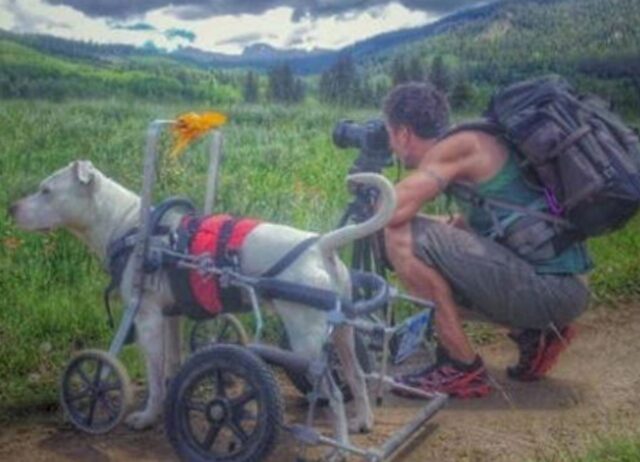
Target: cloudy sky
225 26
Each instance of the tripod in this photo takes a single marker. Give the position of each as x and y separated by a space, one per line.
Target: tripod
368 253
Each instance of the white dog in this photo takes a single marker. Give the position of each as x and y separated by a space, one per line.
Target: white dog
98 210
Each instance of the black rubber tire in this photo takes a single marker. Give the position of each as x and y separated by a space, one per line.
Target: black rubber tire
111 393
304 386
227 363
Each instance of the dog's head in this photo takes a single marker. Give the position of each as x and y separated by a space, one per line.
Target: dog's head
63 199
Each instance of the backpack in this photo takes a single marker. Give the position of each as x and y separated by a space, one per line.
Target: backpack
581 156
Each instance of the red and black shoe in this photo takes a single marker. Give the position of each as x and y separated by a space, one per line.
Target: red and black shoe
539 351
455 378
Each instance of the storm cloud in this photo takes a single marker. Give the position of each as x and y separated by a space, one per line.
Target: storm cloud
202 9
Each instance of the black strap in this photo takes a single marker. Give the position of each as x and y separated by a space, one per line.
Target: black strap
222 257
119 250
485 125
290 257
468 193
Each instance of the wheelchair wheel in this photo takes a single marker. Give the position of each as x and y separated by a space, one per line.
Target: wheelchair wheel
224 328
224 405
96 391
304 385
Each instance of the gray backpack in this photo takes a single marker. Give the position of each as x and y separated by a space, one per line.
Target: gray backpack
583 158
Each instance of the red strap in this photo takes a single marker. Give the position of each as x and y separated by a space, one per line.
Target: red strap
205 288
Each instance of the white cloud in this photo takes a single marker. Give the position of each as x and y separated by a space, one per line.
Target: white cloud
275 26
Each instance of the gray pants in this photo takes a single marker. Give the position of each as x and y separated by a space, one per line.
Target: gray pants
489 279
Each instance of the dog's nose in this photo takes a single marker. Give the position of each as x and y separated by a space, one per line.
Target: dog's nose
13 208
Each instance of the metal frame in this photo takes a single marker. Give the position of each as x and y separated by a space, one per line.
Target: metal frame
319 369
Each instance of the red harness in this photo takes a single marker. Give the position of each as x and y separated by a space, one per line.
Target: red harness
220 236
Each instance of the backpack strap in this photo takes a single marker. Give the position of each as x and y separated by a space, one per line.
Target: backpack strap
485 125
468 193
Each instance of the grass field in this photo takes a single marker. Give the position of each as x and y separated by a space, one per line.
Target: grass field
280 165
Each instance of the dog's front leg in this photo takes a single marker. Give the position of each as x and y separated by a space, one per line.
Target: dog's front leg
172 350
150 329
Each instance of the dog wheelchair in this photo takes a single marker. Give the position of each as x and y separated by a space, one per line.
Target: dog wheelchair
225 403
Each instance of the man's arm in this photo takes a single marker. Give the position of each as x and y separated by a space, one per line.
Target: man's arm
445 164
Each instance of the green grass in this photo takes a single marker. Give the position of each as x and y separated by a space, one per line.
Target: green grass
280 165
620 448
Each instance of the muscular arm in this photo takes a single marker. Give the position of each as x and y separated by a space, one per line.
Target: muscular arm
445 162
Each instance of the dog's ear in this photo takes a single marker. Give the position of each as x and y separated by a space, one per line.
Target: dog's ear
84 171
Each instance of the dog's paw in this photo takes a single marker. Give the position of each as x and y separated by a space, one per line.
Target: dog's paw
141 420
361 424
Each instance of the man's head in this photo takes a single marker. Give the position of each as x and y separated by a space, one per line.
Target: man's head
416 114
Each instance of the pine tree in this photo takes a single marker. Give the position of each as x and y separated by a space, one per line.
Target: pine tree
284 87
399 73
251 87
341 83
415 71
440 74
461 92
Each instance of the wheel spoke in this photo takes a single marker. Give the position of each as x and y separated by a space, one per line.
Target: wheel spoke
198 407
111 387
241 401
212 434
220 390
92 410
84 376
238 431
96 376
113 411
81 395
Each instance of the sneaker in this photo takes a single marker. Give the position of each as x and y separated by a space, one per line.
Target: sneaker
539 352
457 379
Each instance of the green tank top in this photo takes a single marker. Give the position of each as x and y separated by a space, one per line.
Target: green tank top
510 185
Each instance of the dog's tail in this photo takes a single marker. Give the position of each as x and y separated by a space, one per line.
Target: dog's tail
333 240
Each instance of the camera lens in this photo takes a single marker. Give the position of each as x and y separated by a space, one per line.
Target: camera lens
347 134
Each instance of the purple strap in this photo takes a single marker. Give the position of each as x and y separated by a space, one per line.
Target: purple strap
552 201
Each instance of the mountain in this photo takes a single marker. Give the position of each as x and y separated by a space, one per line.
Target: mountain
262 56
594 42
258 56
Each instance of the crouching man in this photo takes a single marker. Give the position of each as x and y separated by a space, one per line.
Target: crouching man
457 264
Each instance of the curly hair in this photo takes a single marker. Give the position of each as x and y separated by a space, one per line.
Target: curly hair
420 106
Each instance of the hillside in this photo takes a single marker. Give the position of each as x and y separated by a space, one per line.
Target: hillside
594 38
595 42
28 73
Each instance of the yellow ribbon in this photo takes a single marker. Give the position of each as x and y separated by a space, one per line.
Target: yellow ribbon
189 127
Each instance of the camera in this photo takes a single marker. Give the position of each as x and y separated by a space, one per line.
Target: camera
371 138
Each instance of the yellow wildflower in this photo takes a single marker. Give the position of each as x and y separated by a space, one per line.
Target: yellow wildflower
190 126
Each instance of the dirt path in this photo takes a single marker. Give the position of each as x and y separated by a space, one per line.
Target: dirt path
594 391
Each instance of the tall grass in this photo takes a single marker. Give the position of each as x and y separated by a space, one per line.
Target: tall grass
280 165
